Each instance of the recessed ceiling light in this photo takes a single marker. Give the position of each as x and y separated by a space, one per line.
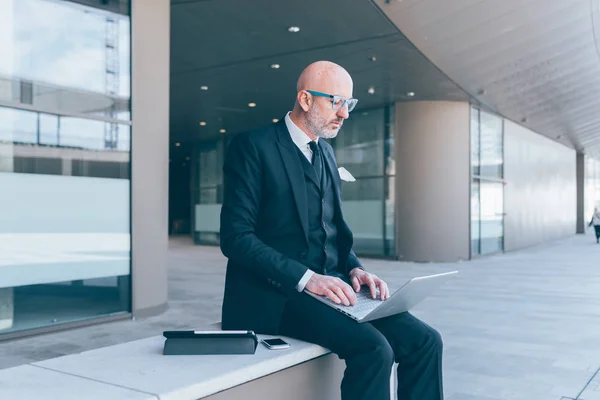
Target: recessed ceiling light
203 87
177 144
202 123
410 94
275 66
373 58
371 90
251 104
222 131
293 29
275 120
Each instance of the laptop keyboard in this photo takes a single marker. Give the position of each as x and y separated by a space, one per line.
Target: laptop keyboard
364 301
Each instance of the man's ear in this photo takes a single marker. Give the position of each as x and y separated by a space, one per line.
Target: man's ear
305 100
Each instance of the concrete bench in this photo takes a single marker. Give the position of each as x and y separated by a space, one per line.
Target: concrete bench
138 371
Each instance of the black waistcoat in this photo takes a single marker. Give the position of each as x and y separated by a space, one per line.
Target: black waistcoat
322 256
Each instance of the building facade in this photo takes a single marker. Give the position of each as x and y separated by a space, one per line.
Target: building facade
101 101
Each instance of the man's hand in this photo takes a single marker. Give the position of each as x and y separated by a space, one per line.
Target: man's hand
358 277
335 289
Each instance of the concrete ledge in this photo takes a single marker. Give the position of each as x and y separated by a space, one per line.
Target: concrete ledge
140 365
140 368
28 382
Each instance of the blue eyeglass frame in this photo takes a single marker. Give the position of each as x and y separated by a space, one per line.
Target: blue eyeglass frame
334 99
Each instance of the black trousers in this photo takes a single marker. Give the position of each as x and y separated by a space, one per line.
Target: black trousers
370 349
597 228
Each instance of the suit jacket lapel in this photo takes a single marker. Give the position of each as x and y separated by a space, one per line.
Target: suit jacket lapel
295 173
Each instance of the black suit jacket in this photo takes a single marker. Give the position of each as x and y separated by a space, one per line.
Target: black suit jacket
264 226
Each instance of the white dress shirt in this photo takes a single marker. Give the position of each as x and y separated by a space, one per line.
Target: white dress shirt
302 141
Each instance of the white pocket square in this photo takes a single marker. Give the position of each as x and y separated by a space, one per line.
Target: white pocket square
345 175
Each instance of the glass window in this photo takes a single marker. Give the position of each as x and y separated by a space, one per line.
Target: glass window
65 225
34 139
475 163
492 217
487 187
475 218
208 192
363 208
360 143
491 146
365 147
60 56
592 187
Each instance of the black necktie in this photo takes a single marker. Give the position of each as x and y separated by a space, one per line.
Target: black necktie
316 159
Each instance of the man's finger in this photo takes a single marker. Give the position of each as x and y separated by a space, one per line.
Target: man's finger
349 293
355 284
332 296
340 293
372 287
384 291
382 288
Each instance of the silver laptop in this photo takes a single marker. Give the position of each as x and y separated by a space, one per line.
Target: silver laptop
403 299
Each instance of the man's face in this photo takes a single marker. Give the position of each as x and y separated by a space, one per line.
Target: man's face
322 120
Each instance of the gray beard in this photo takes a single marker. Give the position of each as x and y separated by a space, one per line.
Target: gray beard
318 128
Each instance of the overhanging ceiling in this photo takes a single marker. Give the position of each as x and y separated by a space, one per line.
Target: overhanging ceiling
229 46
534 61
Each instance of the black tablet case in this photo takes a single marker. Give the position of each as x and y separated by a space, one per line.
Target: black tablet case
190 343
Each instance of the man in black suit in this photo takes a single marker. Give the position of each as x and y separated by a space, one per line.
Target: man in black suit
283 231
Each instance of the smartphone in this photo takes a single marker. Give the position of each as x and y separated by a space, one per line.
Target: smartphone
275 344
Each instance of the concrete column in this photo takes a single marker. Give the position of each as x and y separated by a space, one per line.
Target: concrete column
580 168
432 181
150 154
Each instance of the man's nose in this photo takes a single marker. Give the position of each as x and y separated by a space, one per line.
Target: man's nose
343 112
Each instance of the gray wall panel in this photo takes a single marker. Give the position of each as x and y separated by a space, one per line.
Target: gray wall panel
432 181
150 153
540 197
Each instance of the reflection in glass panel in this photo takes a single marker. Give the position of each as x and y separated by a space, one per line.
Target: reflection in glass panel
48 131
475 162
363 212
365 149
475 218
390 217
48 144
64 57
492 217
56 303
360 143
65 229
491 145
208 192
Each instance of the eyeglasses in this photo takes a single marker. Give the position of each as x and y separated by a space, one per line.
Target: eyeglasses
337 102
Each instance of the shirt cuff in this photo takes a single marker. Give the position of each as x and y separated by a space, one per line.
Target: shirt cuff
305 278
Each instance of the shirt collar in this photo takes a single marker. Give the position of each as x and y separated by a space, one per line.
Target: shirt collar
300 138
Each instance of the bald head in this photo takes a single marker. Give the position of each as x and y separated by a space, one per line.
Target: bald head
314 113
325 76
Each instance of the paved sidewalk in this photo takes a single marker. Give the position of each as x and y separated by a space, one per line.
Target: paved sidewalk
522 325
